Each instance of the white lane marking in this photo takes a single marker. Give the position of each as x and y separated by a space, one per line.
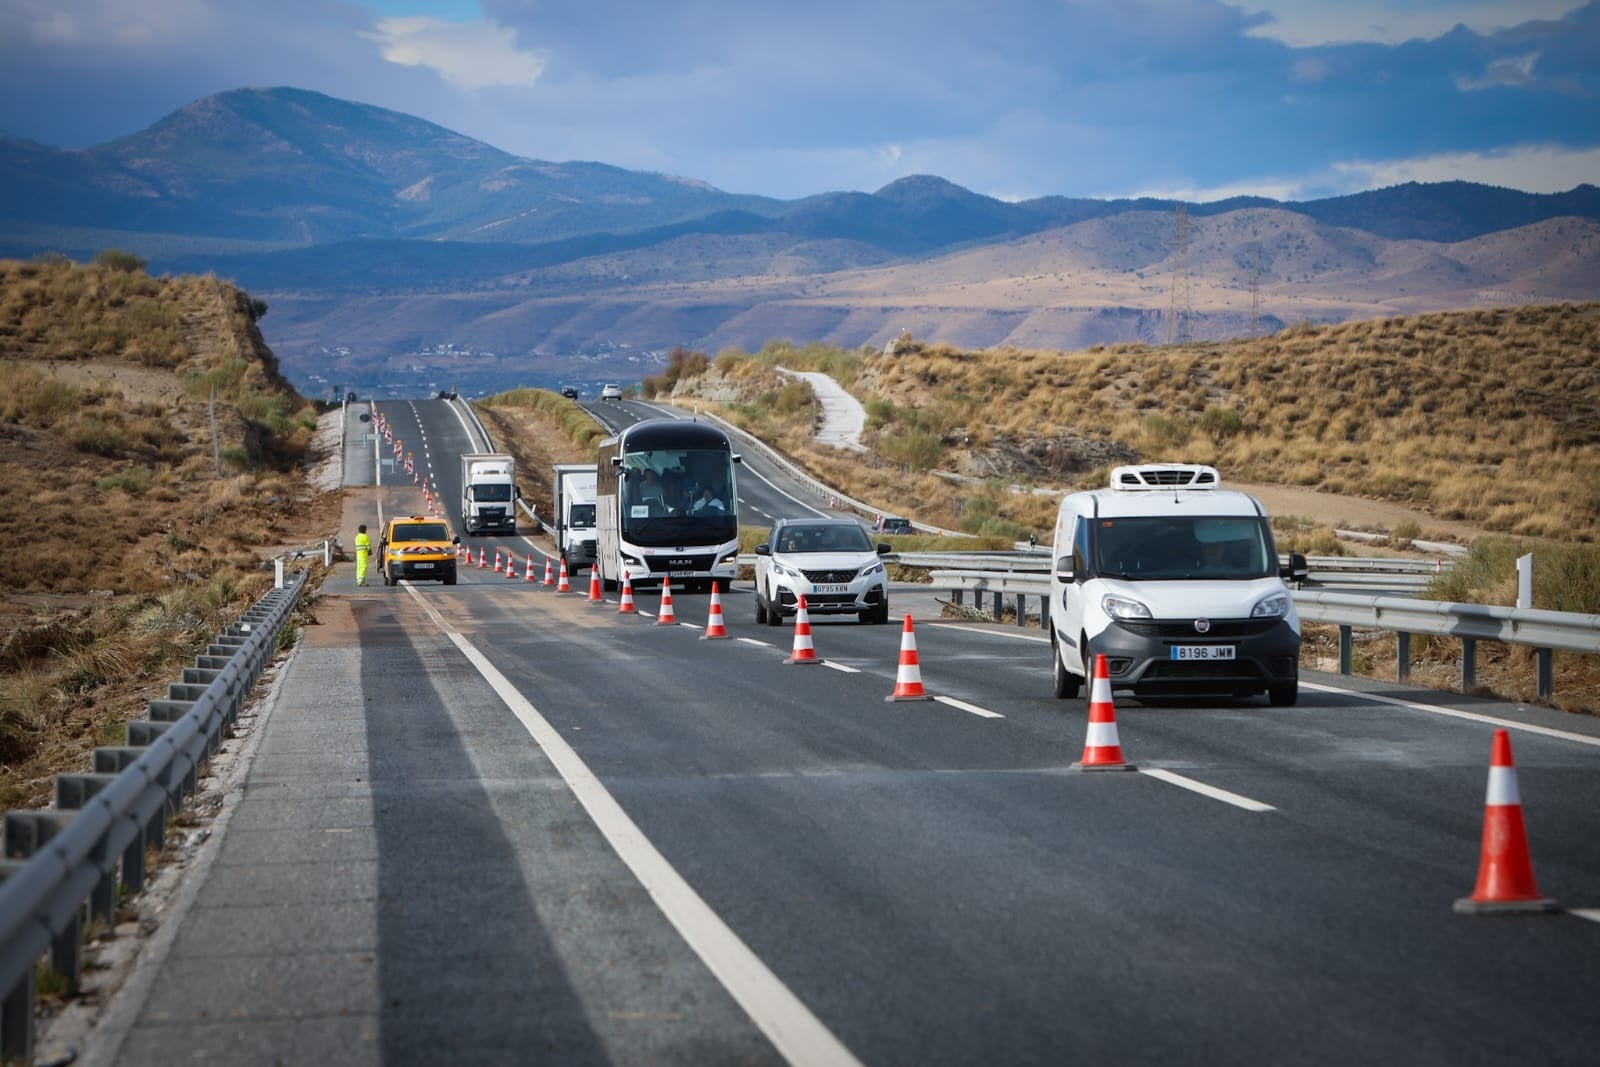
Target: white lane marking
973 708
1592 914
755 641
840 667
799 1036
1457 713
1206 790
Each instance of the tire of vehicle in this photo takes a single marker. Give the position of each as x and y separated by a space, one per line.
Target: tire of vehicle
1284 696
1066 683
774 615
761 609
388 576
883 612
450 577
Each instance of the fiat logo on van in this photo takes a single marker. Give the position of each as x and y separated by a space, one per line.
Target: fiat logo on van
1202 626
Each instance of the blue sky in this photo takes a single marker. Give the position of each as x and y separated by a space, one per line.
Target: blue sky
1293 99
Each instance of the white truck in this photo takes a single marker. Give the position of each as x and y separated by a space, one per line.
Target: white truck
575 498
489 493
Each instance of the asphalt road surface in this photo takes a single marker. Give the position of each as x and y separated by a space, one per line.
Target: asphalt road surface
492 824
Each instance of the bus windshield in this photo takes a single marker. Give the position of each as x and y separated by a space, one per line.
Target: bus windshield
677 496
1225 548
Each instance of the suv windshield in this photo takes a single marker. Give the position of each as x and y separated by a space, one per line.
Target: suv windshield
1226 548
840 537
421 531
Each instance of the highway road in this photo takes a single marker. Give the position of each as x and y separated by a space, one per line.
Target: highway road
492 824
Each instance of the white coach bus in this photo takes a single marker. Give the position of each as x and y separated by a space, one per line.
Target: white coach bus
665 505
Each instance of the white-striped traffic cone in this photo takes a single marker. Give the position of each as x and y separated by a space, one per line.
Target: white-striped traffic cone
667 616
1102 751
549 572
803 652
511 564
714 624
528 575
626 607
594 586
564 585
483 561
1505 870
908 677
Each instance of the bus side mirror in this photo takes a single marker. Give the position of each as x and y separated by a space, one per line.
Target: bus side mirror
738 458
1064 573
616 461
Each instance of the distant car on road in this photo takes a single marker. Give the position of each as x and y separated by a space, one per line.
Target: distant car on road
611 392
569 392
831 562
892 524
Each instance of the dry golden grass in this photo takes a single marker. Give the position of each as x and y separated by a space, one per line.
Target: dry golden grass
125 541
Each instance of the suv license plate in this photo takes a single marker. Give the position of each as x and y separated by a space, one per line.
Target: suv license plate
1202 652
830 589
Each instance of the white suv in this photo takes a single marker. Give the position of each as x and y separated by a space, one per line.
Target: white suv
831 561
611 391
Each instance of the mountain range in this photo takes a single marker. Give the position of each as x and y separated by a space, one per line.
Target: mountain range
394 253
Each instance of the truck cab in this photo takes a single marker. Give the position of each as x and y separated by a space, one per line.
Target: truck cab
575 485
1176 581
489 493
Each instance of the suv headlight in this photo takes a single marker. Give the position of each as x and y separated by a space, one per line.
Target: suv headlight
876 568
1122 608
1275 606
787 572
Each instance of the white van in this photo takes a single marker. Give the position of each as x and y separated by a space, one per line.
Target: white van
1177 582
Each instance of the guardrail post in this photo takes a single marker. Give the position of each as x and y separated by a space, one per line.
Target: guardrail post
999 606
957 596
1545 672
1345 640
1469 664
1402 656
1022 609
16 1021
327 553
277 574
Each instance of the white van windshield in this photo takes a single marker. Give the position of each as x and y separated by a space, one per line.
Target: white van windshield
1167 548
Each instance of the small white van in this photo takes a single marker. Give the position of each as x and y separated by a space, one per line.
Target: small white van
1177 582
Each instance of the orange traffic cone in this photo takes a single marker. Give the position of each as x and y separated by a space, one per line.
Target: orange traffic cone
527 575
908 678
626 607
564 585
483 561
549 572
1102 751
666 618
594 586
497 561
802 651
714 626
511 564
1505 870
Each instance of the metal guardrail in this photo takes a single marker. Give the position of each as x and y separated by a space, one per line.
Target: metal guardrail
1543 631
61 859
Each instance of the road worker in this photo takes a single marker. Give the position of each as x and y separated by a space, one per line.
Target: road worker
363 553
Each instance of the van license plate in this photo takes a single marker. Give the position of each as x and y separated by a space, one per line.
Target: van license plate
422 566
1202 651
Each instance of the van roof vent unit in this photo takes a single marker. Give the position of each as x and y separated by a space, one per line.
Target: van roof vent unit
1156 476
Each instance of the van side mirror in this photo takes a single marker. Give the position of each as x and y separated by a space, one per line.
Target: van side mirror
1064 572
1296 569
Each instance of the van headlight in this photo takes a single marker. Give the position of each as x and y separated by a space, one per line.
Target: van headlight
1122 608
1274 607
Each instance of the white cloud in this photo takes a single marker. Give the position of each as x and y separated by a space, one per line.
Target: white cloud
1271 188
1308 23
1502 73
1531 168
468 55
102 23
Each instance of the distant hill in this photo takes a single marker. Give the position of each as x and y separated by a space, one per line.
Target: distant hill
378 234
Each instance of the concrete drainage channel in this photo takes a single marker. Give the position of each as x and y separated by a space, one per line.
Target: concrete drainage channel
63 865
